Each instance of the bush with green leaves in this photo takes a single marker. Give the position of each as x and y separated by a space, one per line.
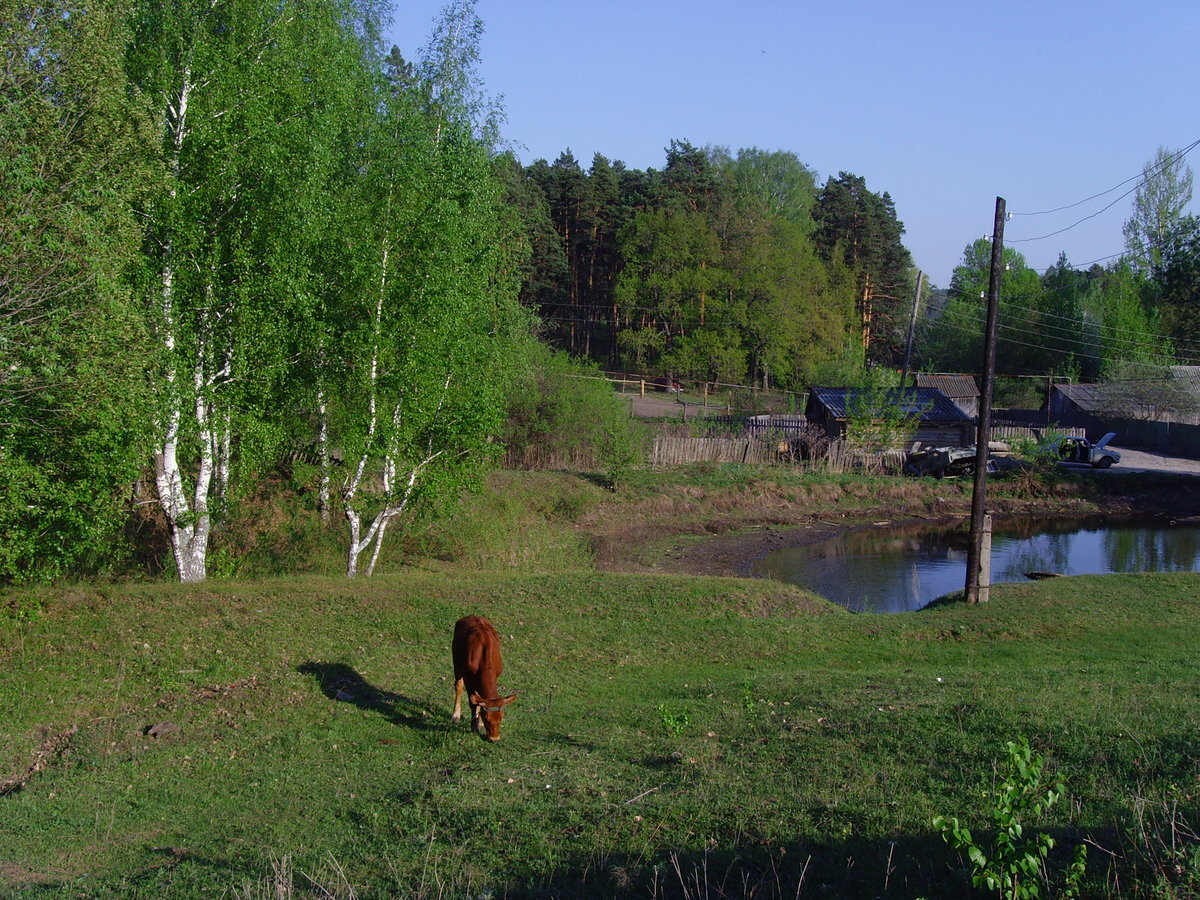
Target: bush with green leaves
1040 458
562 413
1012 865
878 416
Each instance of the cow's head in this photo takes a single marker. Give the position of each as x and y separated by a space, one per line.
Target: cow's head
491 713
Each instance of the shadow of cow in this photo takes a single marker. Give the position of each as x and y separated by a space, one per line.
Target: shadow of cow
343 684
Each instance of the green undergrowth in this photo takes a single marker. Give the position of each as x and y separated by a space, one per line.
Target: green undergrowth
674 737
518 519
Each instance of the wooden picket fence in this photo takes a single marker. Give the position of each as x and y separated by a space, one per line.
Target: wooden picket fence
674 451
838 459
1004 432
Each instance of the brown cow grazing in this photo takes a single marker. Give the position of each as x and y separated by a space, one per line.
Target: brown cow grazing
476 651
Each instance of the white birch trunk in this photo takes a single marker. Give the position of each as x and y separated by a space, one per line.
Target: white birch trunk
394 507
358 543
323 500
187 519
187 531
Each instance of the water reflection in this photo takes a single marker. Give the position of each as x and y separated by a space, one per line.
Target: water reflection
905 568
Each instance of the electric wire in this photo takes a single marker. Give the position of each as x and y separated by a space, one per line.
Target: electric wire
1170 160
1008 303
1140 179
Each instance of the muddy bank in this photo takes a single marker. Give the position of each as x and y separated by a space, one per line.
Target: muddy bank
722 532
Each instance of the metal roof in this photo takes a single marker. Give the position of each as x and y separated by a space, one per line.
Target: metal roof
932 404
1187 377
953 386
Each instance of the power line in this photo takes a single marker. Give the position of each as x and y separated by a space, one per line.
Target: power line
1141 179
1079 353
1078 223
1143 174
1081 267
1037 328
1010 340
1180 343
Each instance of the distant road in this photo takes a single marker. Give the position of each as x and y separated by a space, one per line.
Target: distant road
1146 461
663 405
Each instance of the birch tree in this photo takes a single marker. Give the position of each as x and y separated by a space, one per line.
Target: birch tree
244 96
1159 203
430 326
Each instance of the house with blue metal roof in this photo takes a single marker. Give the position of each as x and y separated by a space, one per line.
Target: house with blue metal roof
939 421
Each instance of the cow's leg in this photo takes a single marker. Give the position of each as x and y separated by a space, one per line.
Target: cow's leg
458 692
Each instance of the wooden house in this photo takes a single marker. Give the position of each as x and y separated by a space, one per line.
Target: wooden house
940 421
1172 400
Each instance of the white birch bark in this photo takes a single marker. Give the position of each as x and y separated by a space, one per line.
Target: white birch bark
188 518
372 536
188 526
354 481
395 505
323 498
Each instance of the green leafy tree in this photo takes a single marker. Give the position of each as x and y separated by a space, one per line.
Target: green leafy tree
246 94
668 286
1133 339
448 73
954 341
1012 866
317 251
880 415
562 409
425 331
798 313
777 180
1158 207
71 169
708 268
1176 288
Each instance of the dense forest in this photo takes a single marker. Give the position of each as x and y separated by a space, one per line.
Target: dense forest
743 268
237 232
720 267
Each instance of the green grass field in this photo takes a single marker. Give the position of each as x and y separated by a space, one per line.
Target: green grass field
675 736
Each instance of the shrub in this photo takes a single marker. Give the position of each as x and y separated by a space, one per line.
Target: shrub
563 414
1012 865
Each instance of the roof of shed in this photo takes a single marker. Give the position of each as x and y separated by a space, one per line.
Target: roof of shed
1088 397
953 386
1187 376
1134 397
933 405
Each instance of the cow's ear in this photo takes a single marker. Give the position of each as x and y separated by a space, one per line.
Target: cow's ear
476 699
504 701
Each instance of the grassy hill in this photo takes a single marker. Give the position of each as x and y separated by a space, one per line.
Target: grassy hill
675 736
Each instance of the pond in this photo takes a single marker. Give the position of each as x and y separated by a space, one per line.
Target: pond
905 568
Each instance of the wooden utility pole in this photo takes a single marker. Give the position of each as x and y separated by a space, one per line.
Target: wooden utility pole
975 560
912 327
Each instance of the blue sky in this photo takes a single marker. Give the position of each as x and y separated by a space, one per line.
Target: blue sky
945 105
